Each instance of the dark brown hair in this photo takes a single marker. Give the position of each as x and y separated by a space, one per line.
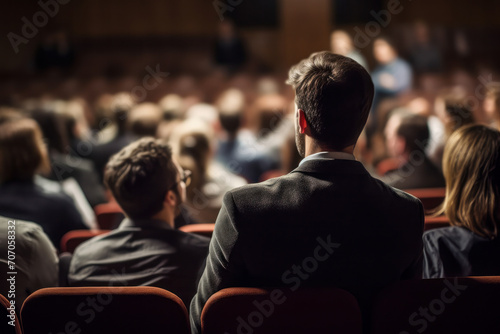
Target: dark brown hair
140 175
336 94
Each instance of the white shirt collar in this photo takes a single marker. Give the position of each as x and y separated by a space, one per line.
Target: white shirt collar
328 156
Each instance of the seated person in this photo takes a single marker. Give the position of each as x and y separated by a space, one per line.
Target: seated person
491 104
364 235
407 136
145 249
470 247
22 154
36 261
193 142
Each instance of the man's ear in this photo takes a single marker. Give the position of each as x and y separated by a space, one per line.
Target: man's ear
171 198
302 121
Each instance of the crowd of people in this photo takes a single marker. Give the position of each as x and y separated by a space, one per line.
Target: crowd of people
276 169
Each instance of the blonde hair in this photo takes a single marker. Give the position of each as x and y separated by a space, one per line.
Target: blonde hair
472 173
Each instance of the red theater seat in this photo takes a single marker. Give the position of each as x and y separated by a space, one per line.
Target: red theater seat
104 310
205 230
431 198
279 310
73 239
109 215
5 327
436 306
436 222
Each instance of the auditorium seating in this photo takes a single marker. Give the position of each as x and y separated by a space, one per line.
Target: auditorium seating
431 198
387 165
279 310
5 327
436 306
73 239
205 230
104 310
109 215
435 222
64 264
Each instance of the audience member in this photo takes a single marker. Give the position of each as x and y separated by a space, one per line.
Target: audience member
143 119
229 52
63 166
193 142
392 76
238 148
120 106
454 111
491 104
341 43
407 136
36 258
424 52
22 154
145 249
329 205
470 247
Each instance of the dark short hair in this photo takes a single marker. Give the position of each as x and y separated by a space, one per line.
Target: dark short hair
415 131
140 175
22 151
336 94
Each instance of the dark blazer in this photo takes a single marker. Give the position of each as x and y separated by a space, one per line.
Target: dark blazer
415 175
327 223
54 212
149 253
456 251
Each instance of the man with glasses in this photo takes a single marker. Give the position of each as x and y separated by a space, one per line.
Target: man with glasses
145 249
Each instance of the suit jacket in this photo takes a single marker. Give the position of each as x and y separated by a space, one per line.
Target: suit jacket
415 175
456 251
327 223
54 212
148 253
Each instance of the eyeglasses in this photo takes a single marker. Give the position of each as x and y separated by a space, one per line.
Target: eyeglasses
185 178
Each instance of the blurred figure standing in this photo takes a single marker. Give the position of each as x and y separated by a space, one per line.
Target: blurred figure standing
425 54
230 52
392 76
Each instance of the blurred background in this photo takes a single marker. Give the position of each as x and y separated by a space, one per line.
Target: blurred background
117 70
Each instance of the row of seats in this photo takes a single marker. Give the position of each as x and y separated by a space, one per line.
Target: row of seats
72 239
110 214
454 305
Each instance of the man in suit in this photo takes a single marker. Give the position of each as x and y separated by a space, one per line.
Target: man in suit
145 249
328 222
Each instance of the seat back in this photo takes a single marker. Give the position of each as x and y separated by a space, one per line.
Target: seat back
109 215
9 317
436 222
104 310
205 230
64 264
435 306
278 310
431 198
73 239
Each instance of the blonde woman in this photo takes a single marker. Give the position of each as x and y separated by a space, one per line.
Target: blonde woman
471 166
